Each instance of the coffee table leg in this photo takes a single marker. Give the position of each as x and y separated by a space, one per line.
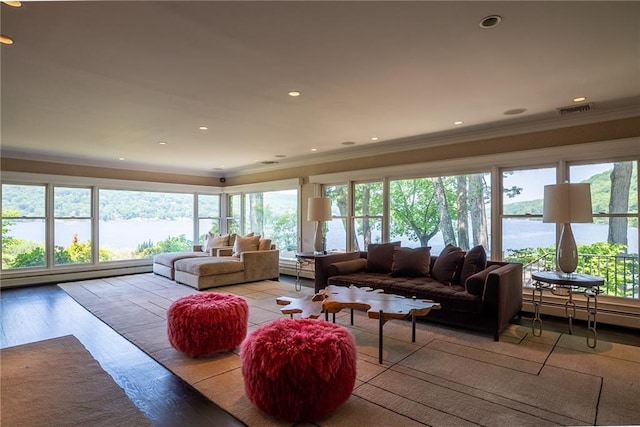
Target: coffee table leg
380 338
413 327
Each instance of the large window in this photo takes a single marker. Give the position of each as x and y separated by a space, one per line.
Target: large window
441 210
208 215
273 215
524 236
608 247
336 229
140 224
234 213
72 225
23 226
367 215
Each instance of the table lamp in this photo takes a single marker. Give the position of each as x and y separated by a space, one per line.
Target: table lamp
319 210
565 204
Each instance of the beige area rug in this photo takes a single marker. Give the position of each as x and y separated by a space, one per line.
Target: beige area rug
447 377
58 382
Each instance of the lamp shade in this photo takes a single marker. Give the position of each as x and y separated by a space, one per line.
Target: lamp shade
319 209
567 203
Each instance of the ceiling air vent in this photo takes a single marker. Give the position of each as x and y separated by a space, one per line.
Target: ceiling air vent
269 162
582 108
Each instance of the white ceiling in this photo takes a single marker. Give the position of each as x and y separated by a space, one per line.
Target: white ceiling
90 82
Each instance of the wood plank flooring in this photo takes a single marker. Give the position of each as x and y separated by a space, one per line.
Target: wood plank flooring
42 312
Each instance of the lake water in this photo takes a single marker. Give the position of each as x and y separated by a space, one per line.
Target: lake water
128 234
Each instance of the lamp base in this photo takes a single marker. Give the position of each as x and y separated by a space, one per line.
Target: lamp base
318 243
567 251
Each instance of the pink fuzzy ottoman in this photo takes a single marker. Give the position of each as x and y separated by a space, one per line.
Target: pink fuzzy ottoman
204 323
299 369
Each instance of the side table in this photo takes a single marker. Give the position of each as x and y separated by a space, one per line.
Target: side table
568 284
303 258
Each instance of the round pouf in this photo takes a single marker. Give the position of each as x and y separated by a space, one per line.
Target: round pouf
208 322
299 369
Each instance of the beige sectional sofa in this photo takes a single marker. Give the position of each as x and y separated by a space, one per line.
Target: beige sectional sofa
249 259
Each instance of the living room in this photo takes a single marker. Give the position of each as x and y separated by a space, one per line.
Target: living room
86 108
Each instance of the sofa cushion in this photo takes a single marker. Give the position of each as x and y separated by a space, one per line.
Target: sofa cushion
453 298
474 261
411 262
210 266
475 283
243 244
446 265
215 240
380 257
264 245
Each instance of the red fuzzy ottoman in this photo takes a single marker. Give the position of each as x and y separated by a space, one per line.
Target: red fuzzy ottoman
299 369
207 322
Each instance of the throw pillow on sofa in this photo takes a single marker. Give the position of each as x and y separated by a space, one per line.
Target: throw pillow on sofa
380 257
243 244
446 265
474 261
215 240
411 262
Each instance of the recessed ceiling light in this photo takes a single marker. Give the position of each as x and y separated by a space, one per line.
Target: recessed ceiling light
203 128
459 122
580 99
374 138
514 111
294 93
13 3
162 142
314 149
490 21
120 158
5 40
348 143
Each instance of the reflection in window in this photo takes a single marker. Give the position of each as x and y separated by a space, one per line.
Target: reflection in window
23 226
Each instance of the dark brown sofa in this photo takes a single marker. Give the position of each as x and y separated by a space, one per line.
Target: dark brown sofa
473 292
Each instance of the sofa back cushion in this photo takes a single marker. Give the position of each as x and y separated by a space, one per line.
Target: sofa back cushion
474 261
410 262
243 244
447 264
215 240
264 244
380 257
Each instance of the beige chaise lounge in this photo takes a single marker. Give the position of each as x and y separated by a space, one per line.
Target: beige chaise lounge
164 264
209 272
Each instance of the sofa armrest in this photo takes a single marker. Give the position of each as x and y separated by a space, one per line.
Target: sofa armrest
261 265
503 294
223 251
322 263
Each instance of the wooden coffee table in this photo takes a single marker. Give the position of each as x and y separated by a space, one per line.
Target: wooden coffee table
376 303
